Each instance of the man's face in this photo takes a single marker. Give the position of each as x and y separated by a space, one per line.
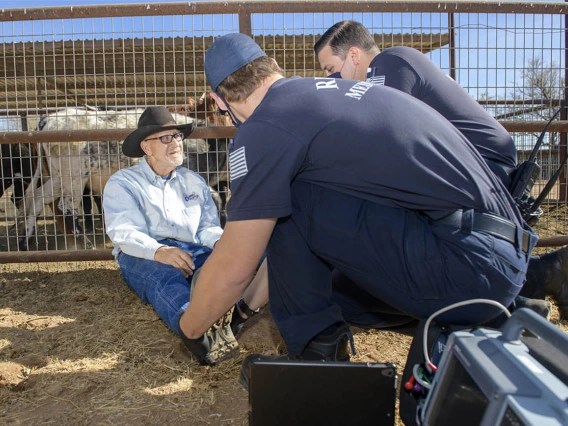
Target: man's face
349 67
330 63
170 154
233 113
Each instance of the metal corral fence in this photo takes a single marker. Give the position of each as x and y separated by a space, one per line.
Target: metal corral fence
99 62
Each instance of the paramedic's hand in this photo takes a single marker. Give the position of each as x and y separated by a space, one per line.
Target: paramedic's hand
199 348
177 258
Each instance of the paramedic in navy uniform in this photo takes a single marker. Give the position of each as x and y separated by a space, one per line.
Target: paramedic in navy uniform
347 49
336 174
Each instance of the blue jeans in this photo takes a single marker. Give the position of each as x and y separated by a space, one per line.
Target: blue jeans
160 285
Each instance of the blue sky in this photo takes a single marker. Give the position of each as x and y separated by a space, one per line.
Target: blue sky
492 48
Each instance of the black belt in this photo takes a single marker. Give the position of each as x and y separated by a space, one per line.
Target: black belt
490 224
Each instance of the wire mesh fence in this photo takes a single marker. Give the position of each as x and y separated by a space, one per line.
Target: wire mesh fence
104 62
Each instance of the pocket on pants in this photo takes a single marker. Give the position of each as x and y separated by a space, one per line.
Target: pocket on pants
507 272
424 262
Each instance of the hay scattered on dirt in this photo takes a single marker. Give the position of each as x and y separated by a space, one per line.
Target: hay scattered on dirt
77 347
80 348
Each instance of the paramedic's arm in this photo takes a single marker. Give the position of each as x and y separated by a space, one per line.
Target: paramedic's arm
226 273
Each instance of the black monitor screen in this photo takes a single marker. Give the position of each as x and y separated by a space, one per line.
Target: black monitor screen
457 397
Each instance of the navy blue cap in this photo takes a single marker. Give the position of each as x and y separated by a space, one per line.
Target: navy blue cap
227 54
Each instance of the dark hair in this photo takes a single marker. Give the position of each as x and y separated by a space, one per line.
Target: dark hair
239 85
344 35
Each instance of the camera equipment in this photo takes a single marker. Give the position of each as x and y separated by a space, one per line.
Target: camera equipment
491 377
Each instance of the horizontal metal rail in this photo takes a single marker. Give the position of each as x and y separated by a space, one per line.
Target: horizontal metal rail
55 256
535 126
54 136
517 102
547 102
291 6
106 254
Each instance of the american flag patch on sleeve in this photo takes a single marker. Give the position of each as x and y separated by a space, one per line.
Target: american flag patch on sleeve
238 163
377 80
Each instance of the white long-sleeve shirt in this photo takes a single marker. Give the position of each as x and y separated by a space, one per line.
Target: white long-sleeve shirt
141 208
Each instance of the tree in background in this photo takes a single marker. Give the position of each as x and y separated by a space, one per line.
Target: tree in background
539 81
542 83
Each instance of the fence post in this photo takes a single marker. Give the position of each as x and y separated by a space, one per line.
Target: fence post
451 27
245 25
562 187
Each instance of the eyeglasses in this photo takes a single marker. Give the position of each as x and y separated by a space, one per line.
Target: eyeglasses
166 139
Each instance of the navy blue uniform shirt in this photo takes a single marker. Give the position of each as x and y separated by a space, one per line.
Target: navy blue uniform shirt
371 142
410 71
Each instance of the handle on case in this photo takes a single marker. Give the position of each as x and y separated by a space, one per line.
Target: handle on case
525 318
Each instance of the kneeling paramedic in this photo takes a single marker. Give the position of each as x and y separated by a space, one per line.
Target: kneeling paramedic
336 175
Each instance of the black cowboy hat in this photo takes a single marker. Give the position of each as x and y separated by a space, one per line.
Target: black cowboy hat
154 119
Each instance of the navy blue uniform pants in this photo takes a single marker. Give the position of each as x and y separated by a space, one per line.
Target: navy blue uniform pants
382 257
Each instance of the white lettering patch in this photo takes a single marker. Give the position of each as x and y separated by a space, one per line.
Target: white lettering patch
238 163
358 90
328 83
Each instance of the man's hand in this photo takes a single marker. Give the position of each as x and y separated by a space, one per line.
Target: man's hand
177 258
199 348
224 277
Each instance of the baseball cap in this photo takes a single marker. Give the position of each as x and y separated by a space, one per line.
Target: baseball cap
227 54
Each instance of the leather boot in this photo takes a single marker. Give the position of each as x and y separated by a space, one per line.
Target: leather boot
238 321
540 306
555 275
334 347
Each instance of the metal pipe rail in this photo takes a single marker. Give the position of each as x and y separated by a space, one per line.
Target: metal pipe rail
106 254
54 136
293 6
55 256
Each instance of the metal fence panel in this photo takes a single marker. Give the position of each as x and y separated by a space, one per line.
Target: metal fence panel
510 56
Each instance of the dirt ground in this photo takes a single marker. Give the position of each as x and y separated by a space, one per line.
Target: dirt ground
77 347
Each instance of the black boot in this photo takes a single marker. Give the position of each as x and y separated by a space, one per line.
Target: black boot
540 306
554 272
333 347
238 321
